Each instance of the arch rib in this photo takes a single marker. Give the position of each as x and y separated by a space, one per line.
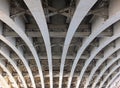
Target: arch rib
105 68
101 61
101 28
83 8
36 9
20 56
6 19
96 51
10 43
5 53
105 79
8 72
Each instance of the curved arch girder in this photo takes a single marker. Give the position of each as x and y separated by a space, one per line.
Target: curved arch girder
105 68
38 13
20 56
14 65
94 34
105 79
107 41
6 19
102 71
8 72
83 8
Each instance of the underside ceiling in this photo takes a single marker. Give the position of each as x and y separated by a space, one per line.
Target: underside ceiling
59 43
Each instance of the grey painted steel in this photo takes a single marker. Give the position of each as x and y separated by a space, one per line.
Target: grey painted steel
80 12
95 33
8 42
112 19
36 9
96 51
11 43
6 19
5 53
9 74
104 43
105 68
105 79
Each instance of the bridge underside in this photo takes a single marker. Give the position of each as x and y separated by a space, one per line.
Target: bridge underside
59 43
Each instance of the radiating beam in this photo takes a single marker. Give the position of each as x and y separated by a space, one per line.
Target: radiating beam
4 13
111 20
104 69
9 74
6 19
8 42
105 78
37 11
93 35
116 35
110 82
5 53
11 43
80 12
109 52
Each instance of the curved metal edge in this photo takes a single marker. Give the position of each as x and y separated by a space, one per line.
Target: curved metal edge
105 79
21 57
36 9
15 66
82 8
6 19
105 68
101 28
9 74
107 41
